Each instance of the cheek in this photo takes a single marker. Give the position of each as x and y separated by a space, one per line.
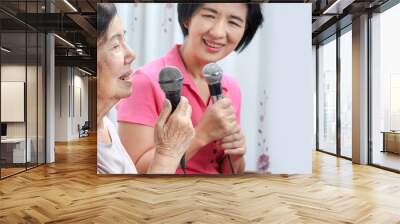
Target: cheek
237 36
108 72
198 28
113 64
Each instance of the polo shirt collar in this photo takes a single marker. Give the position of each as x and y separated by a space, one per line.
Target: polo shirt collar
173 57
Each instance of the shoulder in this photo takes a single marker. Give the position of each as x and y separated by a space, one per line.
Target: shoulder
232 86
230 81
150 71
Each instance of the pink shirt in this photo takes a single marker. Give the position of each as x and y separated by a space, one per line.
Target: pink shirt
147 98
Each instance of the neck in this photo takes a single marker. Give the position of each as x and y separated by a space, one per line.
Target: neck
194 67
103 107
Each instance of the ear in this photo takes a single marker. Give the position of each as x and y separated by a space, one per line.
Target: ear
186 24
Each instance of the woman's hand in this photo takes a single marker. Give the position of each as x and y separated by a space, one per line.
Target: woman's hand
218 121
234 144
172 136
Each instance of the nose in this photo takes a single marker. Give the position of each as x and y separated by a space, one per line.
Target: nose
129 56
218 30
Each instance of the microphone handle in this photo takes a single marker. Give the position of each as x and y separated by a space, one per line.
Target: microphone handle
216 98
213 90
175 97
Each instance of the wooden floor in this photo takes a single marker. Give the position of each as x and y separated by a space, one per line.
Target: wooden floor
10 171
69 191
387 159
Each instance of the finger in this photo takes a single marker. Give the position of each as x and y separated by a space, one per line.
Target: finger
172 126
232 127
187 106
230 118
225 103
188 113
230 109
237 129
226 95
181 105
237 151
162 118
232 145
231 138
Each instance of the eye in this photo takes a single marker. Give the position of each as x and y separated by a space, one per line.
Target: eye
116 46
234 23
208 16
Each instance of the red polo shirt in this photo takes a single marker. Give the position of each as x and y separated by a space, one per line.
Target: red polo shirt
147 98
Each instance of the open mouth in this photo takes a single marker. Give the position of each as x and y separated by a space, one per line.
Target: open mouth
213 46
126 76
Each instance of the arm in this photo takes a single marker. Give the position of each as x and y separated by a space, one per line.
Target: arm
139 142
138 139
159 149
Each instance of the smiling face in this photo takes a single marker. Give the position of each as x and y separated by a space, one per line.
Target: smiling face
215 29
114 59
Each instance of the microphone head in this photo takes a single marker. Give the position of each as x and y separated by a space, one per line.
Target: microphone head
170 79
213 73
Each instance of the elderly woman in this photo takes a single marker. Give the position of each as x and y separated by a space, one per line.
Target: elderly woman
172 133
212 31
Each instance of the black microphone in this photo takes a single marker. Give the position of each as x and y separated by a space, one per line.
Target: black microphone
213 75
170 80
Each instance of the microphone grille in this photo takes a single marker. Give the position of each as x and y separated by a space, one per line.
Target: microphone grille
213 73
170 79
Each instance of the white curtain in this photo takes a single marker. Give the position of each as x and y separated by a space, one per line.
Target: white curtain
152 29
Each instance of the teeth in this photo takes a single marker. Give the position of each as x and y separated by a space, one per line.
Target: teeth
213 45
124 78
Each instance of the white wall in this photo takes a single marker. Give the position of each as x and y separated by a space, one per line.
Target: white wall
68 82
14 73
61 103
314 73
33 126
17 73
278 84
290 84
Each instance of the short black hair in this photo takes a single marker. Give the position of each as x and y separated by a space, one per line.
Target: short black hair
254 19
105 13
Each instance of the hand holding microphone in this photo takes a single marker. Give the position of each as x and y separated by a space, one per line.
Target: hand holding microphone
174 129
234 144
173 133
217 122
232 140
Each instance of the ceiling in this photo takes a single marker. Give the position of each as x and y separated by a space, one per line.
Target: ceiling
329 16
72 20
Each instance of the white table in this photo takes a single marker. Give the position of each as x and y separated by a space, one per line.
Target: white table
18 149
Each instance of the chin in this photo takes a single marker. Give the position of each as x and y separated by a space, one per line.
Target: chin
126 94
210 57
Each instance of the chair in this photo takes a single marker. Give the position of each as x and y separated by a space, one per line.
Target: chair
84 130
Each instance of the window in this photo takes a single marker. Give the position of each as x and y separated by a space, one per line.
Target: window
22 74
327 97
385 88
346 93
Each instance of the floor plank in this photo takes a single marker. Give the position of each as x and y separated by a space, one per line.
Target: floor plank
69 191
